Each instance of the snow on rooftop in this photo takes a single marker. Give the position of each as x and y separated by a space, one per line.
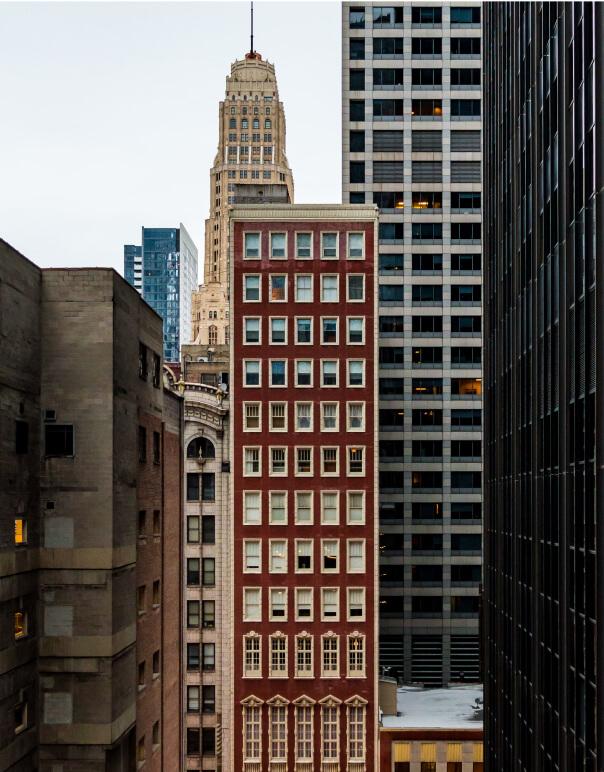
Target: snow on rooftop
447 708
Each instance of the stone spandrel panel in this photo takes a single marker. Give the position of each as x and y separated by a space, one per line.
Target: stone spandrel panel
58 532
58 620
58 708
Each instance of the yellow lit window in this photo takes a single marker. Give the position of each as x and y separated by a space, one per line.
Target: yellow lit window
20 624
20 531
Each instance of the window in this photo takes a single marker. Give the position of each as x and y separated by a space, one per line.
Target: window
193 572
387 47
304 512
22 437
251 656
208 699
303 245
356 372
303 288
356 245
278 732
192 613
426 15
278 245
251 604
356 656
278 330
278 372
329 372
329 416
251 330
278 288
330 556
278 461
465 107
252 726
356 18
208 741
426 76
356 603
251 416
303 330
329 330
278 416
278 556
251 287
356 416
278 603
252 245
329 245
356 329
330 604
251 461
356 461
304 609
303 416
251 556
330 461
426 46
355 507
356 731
330 722
278 655
192 699
59 440
357 110
330 514
329 288
251 372
303 371
251 508
465 46
303 461
357 142
278 500
192 656
355 287
208 614
465 15
208 662
304 550
357 48
20 532
20 625
330 656
357 171
355 557
304 647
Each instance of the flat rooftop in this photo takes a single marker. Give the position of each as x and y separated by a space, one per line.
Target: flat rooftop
450 708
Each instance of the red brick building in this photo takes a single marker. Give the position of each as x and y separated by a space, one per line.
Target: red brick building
303 439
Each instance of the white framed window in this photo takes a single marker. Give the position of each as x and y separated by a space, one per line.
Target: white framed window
330 656
356 710
278 330
355 507
329 330
355 288
330 288
355 419
355 461
355 330
251 245
304 420
278 246
278 416
330 604
252 609
355 369
329 373
304 462
355 556
278 462
252 655
303 373
304 652
252 732
304 508
329 246
304 555
278 505
330 416
252 288
330 507
303 732
330 556
252 417
355 604
277 369
251 372
277 604
304 610
356 655
356 246
330 461
277 288
277 732
304 246
252 514
278 656
251 556
330 732
303 330
251 330
252 466
303 288
277 556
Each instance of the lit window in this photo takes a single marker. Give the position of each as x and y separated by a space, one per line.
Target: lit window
278 458
20 530
303 245
330 649
304 372
278 330
356 656
330 552
303 416
251 372
251 458
303 603
356 245
251 656
278 503
251 557
252 728
303 288
329 330
20 625
355 556
278 656
356 461
251 287
356 372
277 733
330 722
278 416
251 508
278 372
304 667
329 416
355 287
356 603
329 372
356 416
330 610
251 330
278 556
252 245
251 416
278 603
356 507
304 513
278 288
251 604
329 288
304 549
356 329
329 508
303 734
330 461
329 245
304 461
303 330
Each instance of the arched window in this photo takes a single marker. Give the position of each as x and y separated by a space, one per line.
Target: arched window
256 123
201 447
212 335
244 123
267 123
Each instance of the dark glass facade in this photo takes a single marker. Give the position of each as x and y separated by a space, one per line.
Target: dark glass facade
161 250
133 256
544 432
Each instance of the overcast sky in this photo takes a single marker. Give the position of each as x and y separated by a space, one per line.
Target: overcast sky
109 115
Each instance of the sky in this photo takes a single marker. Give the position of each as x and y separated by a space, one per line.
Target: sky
109 116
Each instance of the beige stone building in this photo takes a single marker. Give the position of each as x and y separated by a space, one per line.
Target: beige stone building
251 152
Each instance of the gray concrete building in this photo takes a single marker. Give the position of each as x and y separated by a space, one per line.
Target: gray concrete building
411 122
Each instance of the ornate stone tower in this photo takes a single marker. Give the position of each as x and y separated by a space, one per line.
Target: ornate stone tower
250 166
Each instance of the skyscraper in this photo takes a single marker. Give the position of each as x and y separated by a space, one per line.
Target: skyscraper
164 271
251 152
411 141
544 329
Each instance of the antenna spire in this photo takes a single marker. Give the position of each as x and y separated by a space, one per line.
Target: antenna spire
251 26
